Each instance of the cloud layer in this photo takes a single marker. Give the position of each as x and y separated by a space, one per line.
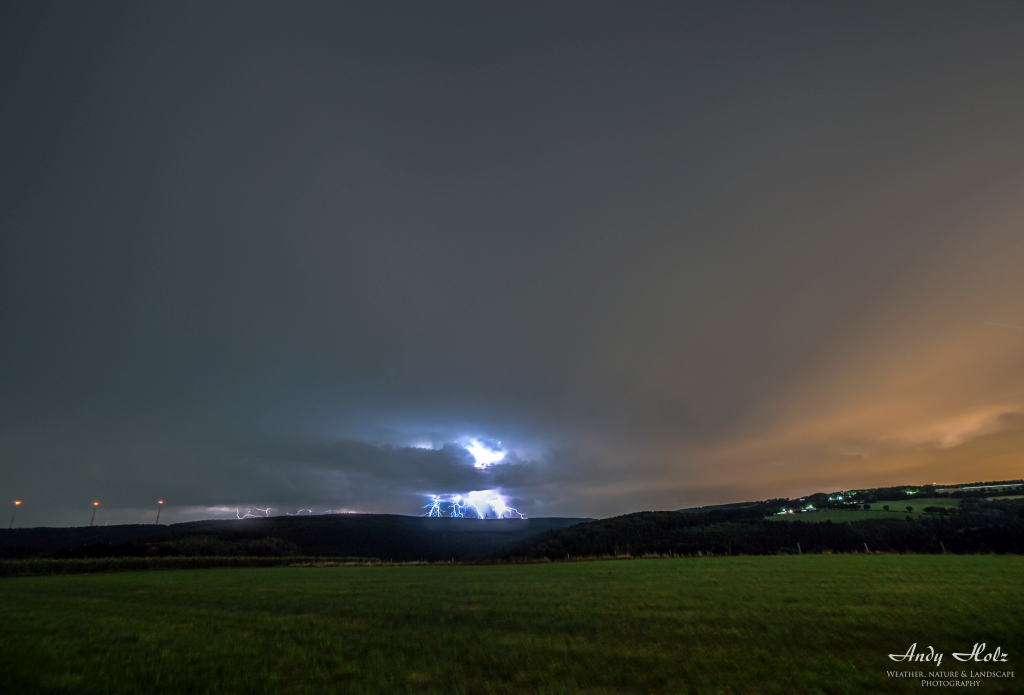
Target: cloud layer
293 258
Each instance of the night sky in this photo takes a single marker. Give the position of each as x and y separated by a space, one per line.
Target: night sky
341 256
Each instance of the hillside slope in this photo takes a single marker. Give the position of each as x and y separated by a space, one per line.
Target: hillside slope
384 536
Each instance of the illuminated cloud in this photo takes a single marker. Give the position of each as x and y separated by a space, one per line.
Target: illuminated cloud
485 455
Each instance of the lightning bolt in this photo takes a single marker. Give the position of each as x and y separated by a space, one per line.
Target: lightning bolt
250 515
434 508
483 502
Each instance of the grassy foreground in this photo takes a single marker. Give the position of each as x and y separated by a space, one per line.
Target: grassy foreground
783 624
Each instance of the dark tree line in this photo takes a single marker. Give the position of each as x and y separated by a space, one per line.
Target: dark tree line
982 528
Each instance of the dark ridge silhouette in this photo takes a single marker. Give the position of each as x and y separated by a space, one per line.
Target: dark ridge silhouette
382 536
975 525
993 526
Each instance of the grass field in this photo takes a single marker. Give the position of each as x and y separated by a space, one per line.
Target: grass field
918 503
782 624
897 510
838 515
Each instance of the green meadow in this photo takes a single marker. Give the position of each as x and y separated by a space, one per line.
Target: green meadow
918 503
897 510
775 624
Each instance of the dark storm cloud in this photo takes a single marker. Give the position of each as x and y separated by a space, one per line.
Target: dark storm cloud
256 254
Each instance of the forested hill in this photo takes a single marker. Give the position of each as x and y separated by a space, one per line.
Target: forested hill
383 536
983 526
979 517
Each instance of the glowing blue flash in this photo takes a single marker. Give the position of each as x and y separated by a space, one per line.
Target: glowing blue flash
486 504
484 455
491 501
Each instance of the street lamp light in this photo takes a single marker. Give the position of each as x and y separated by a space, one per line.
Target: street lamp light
17 503
94 506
